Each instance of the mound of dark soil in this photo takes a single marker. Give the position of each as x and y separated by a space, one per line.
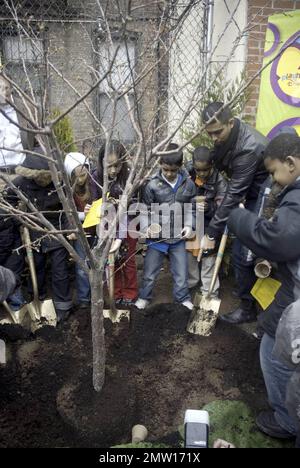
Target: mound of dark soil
155 371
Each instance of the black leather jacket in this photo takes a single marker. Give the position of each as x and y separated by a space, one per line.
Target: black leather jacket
244 165
158 194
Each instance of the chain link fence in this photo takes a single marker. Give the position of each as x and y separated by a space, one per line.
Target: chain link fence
171 43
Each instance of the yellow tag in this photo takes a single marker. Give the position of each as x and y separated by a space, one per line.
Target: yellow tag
93 216
265 290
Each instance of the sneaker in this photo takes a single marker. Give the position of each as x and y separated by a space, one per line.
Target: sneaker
141 303
188 304
266 422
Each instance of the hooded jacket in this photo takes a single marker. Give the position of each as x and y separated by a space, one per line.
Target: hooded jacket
8 233
244 165
158 191
276 240
44 198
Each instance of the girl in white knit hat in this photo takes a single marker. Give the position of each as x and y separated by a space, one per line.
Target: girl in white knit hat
77 167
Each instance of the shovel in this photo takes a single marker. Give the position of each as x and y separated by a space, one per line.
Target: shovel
114 314
41 312
203 319
17 317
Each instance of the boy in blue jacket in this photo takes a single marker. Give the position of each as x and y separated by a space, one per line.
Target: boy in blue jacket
276 240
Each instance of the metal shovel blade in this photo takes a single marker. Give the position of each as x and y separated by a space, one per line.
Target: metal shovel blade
203 319
42 313
116 315
14 317
21 314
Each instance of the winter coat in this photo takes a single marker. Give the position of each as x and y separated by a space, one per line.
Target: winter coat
9 232
44 199
244 165
214 190
276 240
158 191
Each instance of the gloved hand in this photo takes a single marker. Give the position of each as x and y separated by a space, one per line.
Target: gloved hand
207 244
115 246
186 232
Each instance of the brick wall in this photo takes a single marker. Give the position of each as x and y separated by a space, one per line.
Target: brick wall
258 13
71 52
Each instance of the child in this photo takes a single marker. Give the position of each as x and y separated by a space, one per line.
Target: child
170 186
77 167
35 181
118 171
211 185
276 240
287 350
10 257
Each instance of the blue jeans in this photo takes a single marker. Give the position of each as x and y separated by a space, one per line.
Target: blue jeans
276 377
179 269
82 279
244 268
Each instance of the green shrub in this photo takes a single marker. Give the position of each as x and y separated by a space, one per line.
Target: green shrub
64 132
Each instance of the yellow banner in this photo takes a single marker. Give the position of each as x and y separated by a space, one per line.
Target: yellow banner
279 97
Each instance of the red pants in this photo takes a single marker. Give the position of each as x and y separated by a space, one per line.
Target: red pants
126 285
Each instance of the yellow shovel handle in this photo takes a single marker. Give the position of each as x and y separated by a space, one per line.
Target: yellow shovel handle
219 259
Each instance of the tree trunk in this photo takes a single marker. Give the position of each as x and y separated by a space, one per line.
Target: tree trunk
97 302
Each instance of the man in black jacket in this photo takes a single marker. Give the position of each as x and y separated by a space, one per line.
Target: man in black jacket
238 152
277 240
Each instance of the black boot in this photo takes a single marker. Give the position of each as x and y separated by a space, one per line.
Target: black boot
240 315
62 315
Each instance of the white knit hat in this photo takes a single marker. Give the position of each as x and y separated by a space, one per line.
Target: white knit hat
73 160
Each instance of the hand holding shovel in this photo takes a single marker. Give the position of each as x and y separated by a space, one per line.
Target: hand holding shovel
203 319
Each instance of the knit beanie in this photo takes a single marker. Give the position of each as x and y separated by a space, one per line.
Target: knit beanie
73 160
